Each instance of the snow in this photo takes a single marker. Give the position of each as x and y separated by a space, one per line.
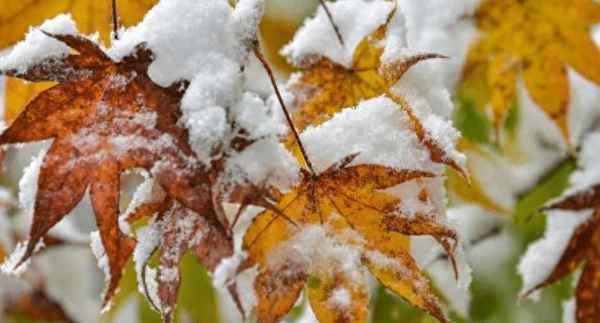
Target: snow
227 269
73 286
266 161
583 113
183 47
446 136
446 32
588 173
28 184
258 119
391 143
396 39
102 258
471 223
148 240
340 298
147 192
38 47
569 307
246 17
6 230
316 249
9 266
355 19
213 129
543 255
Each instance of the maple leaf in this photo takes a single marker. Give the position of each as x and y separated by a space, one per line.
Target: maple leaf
105 117
172 231
326 87
535 40
338 216
91 15
583 248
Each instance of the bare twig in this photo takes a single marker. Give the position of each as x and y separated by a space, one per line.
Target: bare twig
115 19
333 24
269 71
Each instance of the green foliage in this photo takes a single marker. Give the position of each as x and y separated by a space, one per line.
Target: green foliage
472 124
196 296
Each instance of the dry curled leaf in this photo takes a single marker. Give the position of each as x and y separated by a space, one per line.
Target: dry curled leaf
535 40
326 87
343 208
104 117
583 248
173 230
92 16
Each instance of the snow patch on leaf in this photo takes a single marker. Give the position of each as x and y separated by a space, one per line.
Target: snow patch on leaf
588 174
176 31
264 162
340 298
227 269
391 143
543 255
38 46
356 19
316 249
29 183
102 258
147 192
12 265
148 240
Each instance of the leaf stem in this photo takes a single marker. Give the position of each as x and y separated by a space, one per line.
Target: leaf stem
333 24
269 71
115 19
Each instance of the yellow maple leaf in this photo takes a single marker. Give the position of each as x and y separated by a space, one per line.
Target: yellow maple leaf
535 40
326 87
341 209
16 17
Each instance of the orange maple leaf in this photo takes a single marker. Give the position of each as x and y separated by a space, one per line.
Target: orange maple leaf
104 117
343 207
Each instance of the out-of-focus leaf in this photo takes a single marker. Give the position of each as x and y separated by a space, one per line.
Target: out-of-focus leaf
535 41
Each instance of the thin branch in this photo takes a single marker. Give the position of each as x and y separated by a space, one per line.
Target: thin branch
115 19
269 71
333 24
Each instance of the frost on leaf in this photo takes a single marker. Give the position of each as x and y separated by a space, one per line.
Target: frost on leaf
535 40
105 117
171 231
572 238
16 19
328 82
338 222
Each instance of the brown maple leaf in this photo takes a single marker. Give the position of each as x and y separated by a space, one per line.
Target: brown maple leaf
342 208
583 248
174 229
104 117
